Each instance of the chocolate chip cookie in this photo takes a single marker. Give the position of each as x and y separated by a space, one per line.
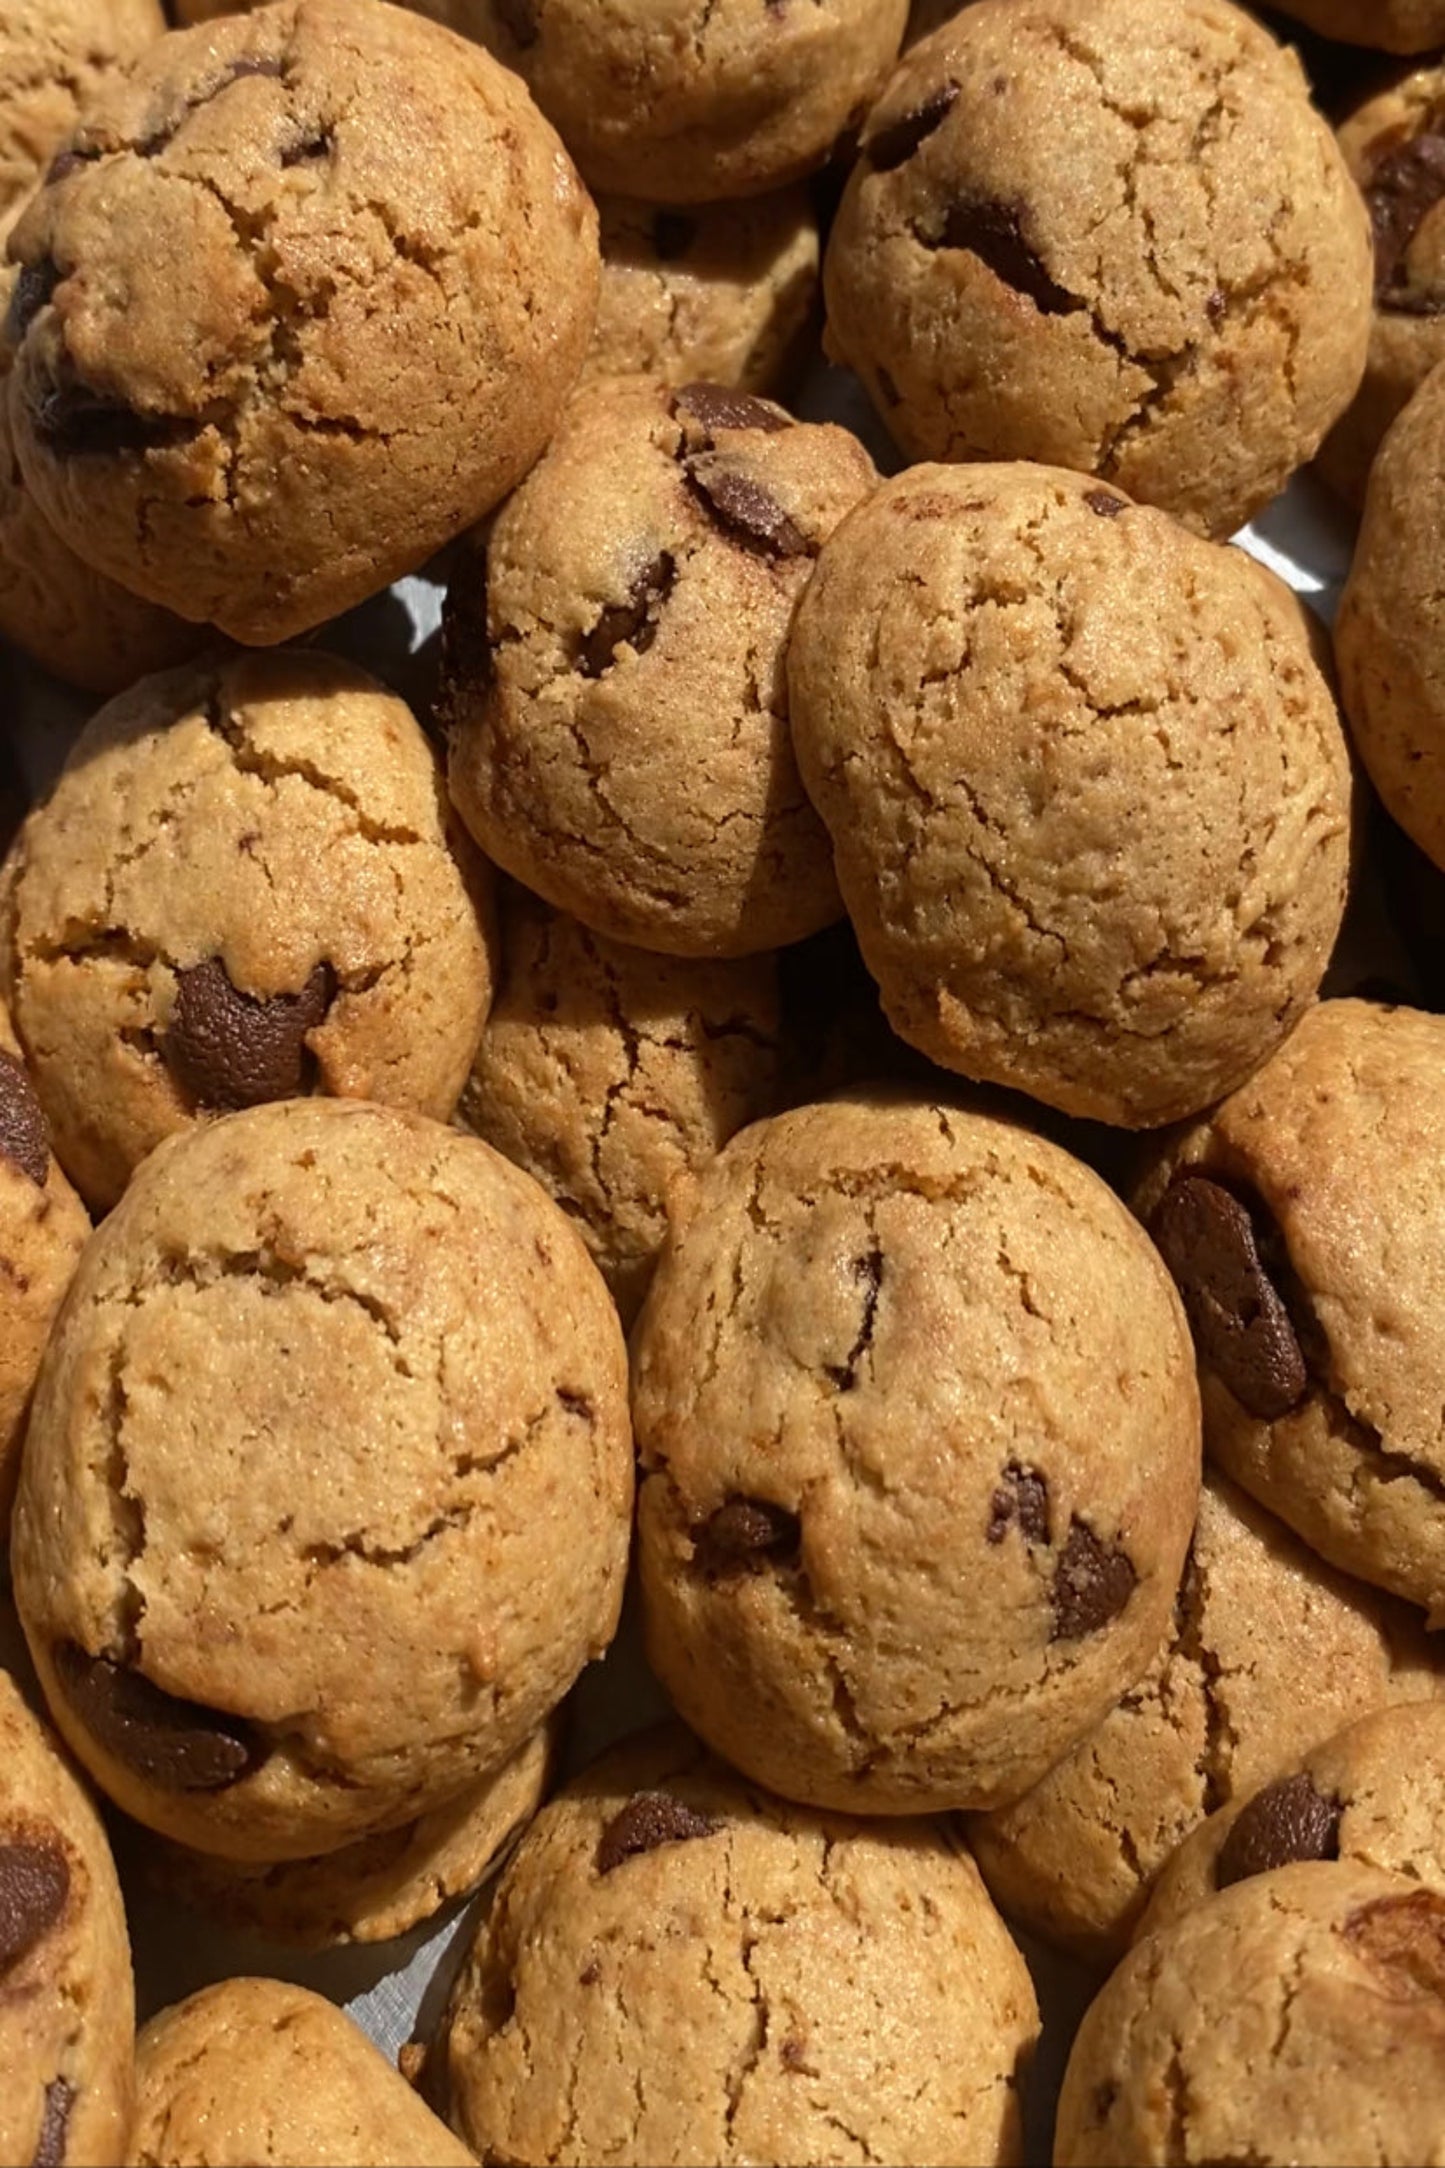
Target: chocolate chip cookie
1392 26
213 404
1299 2016
1088 792
614 679
1107 235
1269 1652
241 889
1301 1222
66 1996
325 1497
919 1455
254 2070
810 1964
55 56
610 1074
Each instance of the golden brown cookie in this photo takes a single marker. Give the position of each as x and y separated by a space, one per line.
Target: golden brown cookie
1392 26
55 56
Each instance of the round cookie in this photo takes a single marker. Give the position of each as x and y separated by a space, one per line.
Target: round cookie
378 1887
724 292
614 678
55 56
1088 792
1392 26
609 1074
67 2001
241 889
254 2070
43 1227
1302 1223
1270 1651
919 1455
325 1497
1297 2017
788 1976
212 404
1374 1794
1109 235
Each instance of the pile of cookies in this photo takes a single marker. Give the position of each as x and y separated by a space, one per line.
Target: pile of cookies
865 1062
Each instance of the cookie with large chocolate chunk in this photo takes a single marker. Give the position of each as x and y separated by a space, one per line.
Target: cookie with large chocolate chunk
811 1963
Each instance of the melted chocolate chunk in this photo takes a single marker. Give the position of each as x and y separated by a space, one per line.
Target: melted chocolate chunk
651 1819
994 233
673 234
716 407
745 509
34 1884
1022 1497
74 422
867 1270
1286 1821
229 1049
519 19
24 1136
1093 1582
32 291
747 1532
1243 1332
1406 184
896 141
1104 503
178 1746
634 621
1404 1938
60 2098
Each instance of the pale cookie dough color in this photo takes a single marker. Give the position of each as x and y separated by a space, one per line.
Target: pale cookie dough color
241 889
1270 1651
1112 235
213 405
344 1387
679 1968
1374 1794
254 2070
614 678
920 1455
1297 2017
1394 26
43 1226
55 55
67 2003
609 1074
1088 792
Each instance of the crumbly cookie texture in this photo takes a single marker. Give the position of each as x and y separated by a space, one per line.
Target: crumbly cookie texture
254 2070
724 292
1301 1223
1374 1794
610 1074
680 1968
325 1498
1261 2027
241 888
212 405
1088 792
1392 26
55 56
920 1455
1110 236
614 675
43 1227
67 2001
1269 1652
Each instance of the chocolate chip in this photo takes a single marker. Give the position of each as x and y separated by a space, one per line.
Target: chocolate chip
867 1270
308 149
75 422
1405 1938
673 234
229 1049
1243 1332
60 2098
651 1819
716 407
994 233
1022 1497
67 162
178 1746
1106 505
1216 308
1406 184
24 1136
747 1532
1093 1582
519 17
897 140
31 292
34 1884
634 621
746 510
892 395
1286 1821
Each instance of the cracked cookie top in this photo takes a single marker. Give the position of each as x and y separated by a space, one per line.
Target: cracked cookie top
271 354
1088 791
1302 1224
614 667
920 1454
55 55
1112 235
1269 1651
241 888
810 1963
326 1493
1258 2026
